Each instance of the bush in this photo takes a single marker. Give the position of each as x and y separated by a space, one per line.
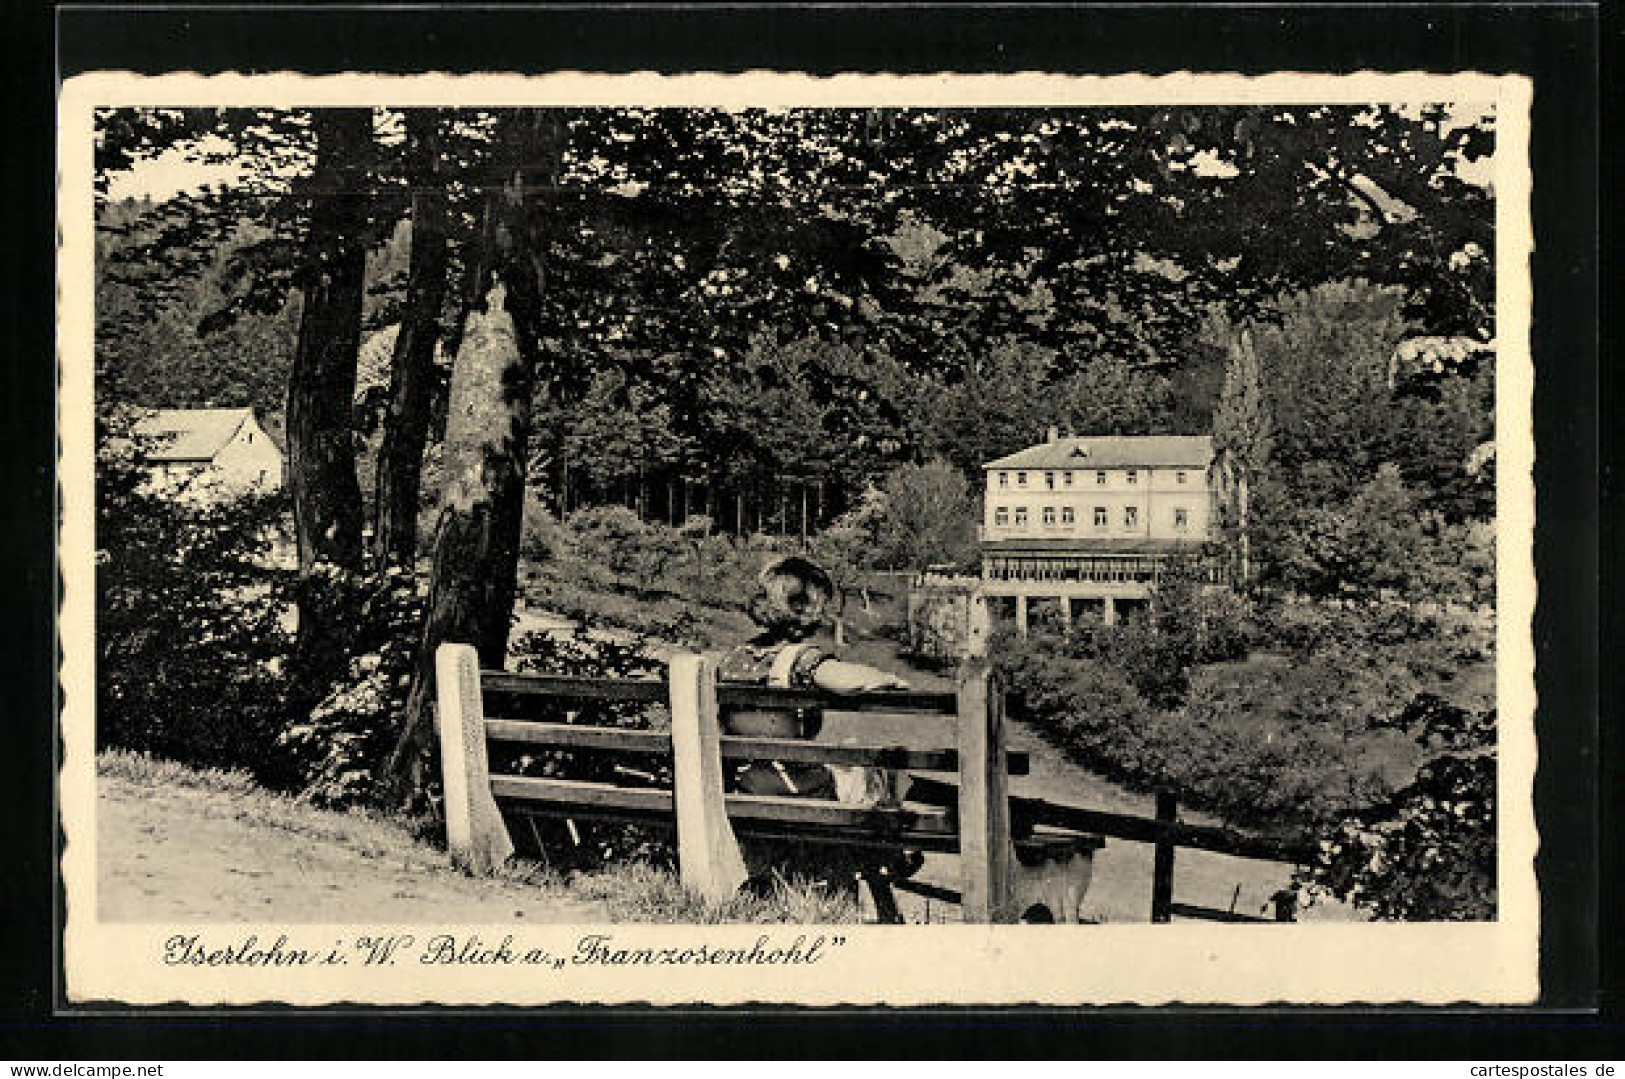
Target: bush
190 643
338 750
1428 851
1282 744
1299 742
541 537
617 549
1085 705
1185 624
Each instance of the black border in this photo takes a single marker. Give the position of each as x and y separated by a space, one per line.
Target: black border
1557 45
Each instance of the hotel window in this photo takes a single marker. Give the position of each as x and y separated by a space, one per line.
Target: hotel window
1004 479
1100 477
1181 520
1049 480
1067 516
1001 517
1132 476
1049 516
1179 477
1021 515
1131 516
1021 479
1069 479
1100 516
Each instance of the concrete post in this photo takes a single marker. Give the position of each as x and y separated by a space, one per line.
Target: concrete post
1021 614
708 856
1066 611
475 832
1111 611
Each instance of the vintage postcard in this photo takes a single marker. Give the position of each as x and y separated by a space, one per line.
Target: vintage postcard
1003 540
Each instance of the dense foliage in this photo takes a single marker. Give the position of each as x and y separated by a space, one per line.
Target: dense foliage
1427 852
337 747
189 605
1280 716
1369 727
756 308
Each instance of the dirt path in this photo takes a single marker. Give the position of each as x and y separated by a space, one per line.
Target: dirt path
184 854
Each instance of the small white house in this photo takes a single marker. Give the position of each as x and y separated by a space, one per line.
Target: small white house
223 449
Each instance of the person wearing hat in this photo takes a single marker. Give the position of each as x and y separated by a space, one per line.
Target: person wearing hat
793 597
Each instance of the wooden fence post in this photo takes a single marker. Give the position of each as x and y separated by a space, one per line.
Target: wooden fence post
984 804
1162 865
475 832
708 854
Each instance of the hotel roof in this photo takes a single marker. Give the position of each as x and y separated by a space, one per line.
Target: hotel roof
1113 451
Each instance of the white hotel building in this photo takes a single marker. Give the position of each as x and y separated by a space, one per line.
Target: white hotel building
1088 523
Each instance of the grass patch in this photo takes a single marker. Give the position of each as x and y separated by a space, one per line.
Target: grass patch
639 892
149 771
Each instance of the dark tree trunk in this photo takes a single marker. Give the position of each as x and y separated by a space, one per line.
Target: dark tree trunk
476 545
412 374
321 391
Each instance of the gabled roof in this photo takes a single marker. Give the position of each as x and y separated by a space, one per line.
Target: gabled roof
1113 451
190 434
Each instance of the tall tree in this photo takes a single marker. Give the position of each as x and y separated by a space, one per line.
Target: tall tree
1241 437
412 371
476 546
321 447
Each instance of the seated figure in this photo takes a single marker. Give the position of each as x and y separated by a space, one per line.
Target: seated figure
792 599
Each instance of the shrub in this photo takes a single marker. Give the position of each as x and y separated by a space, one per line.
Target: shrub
1428 851
1279 744
541 538
1084 705
189 606
1298 742
714 570
338 749
1227 626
